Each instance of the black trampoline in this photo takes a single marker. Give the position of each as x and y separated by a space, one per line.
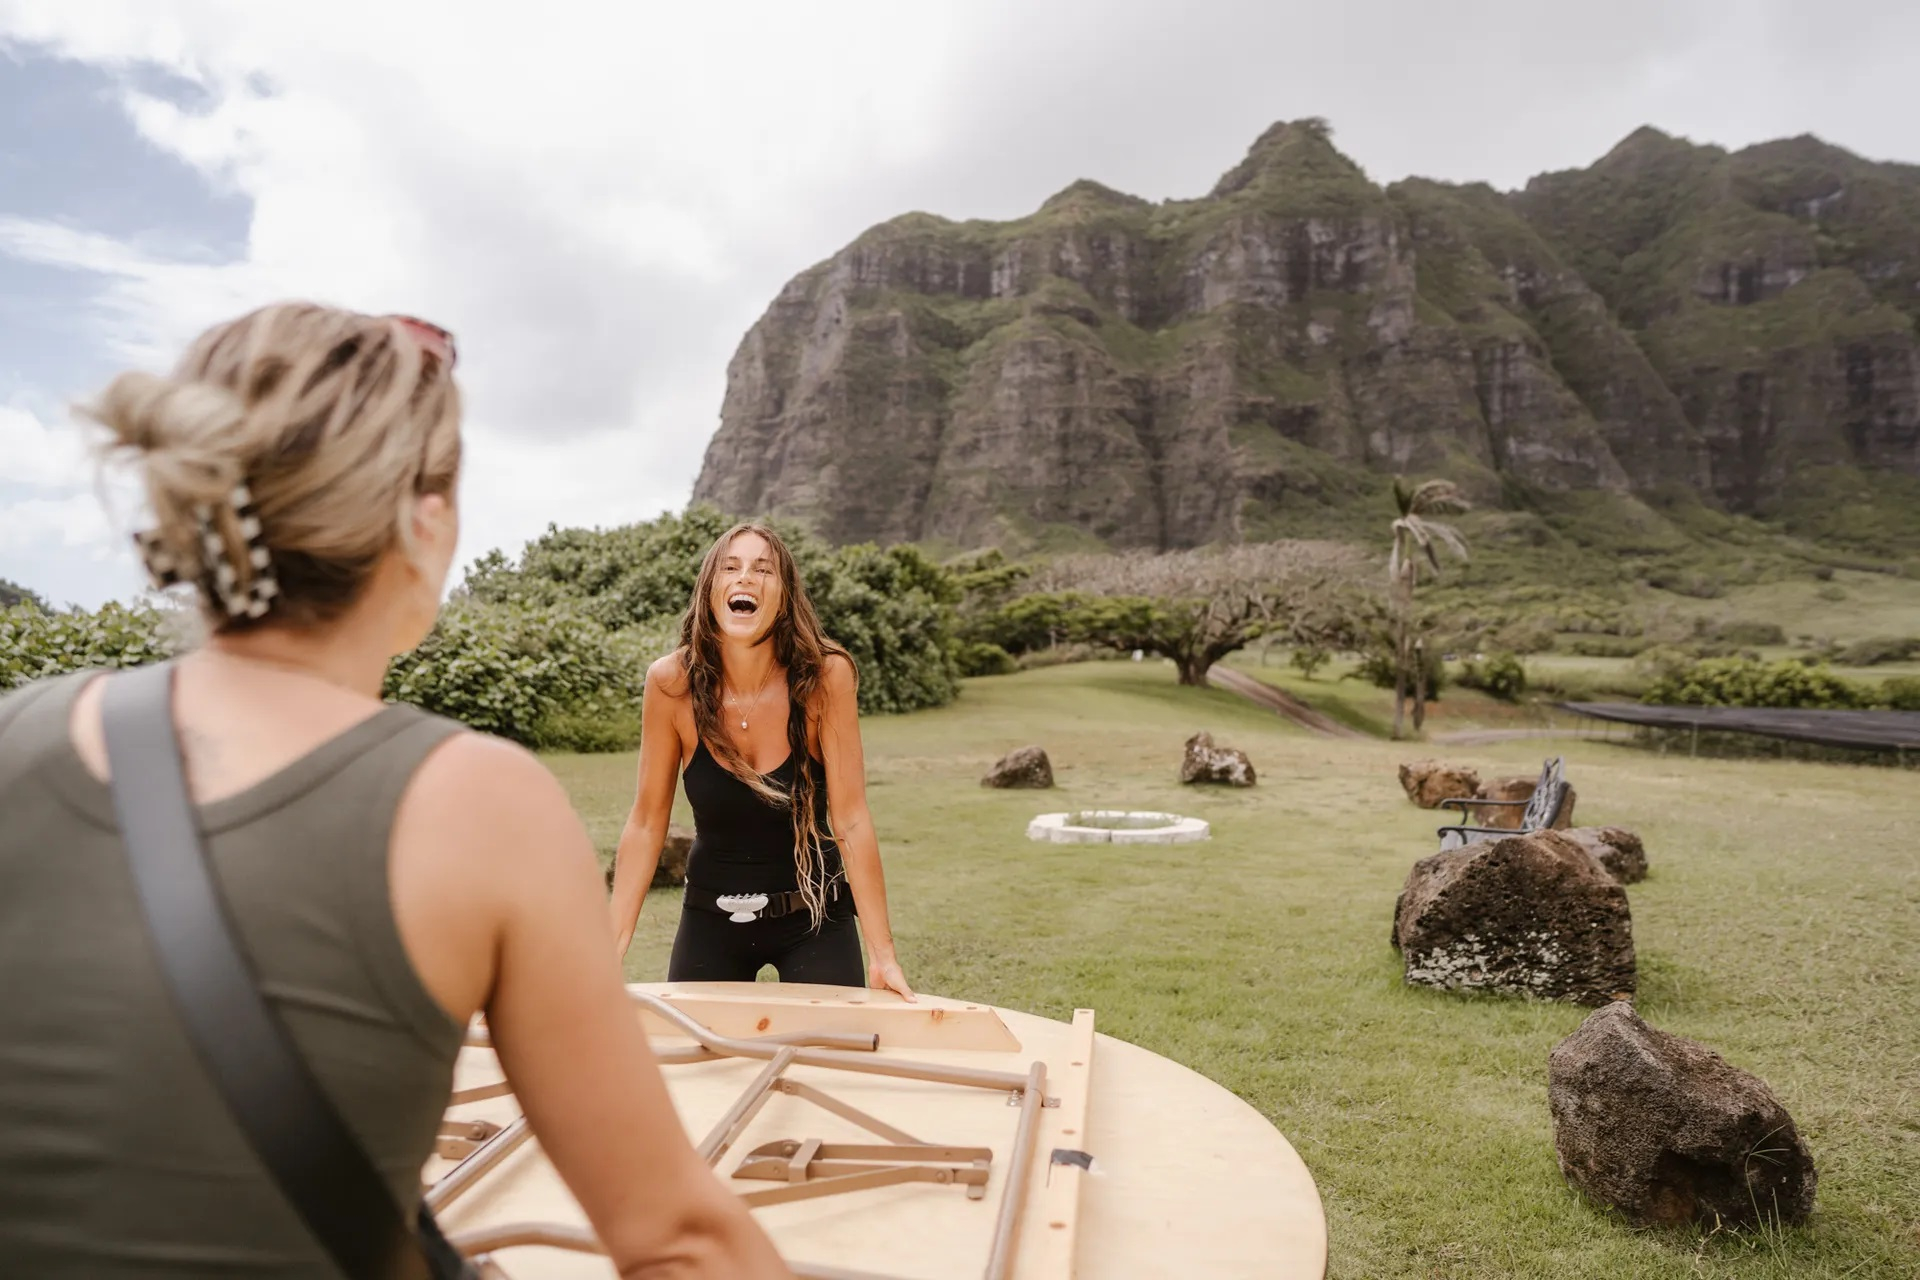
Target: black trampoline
1897 731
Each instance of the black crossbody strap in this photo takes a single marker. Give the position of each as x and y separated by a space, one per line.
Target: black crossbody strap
287 1118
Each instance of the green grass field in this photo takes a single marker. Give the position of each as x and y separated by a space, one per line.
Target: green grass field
1853 606
1780 926
1551 677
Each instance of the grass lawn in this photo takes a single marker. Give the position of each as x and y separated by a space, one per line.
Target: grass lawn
1780 926
1551 677
1854 606
1354 702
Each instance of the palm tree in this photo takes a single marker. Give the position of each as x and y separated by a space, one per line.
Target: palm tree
1417 537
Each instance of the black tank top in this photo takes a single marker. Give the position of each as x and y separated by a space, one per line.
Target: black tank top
742 844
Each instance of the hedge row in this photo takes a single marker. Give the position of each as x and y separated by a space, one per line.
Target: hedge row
36 642
1744 682
552 652
548 678
891 608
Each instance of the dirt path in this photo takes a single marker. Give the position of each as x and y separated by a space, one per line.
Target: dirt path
1280 703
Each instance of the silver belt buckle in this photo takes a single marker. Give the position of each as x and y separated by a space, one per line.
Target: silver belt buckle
741 906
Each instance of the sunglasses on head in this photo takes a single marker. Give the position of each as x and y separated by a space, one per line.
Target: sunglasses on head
432 337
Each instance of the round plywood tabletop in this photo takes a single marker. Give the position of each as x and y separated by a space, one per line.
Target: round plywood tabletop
1184 1180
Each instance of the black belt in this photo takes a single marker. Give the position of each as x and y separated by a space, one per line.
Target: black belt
744 907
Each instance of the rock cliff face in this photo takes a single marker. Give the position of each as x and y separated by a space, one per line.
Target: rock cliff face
1169 375
1774 290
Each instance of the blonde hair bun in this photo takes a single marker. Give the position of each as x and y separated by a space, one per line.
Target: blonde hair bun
296 436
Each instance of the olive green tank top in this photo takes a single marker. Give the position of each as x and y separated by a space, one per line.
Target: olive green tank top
117 1157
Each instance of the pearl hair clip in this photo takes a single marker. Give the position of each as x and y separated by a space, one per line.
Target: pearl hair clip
222 574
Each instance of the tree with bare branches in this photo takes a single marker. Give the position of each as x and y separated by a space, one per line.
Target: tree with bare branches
1196 607
1417 539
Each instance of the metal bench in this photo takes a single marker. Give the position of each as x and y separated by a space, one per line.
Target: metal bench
1537 813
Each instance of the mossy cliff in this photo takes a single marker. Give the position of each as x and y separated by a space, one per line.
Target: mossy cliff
1675 321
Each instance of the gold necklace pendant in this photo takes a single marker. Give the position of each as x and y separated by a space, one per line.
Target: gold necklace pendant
735 699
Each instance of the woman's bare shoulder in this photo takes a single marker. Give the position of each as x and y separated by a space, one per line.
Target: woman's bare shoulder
668 674
838 675
488 778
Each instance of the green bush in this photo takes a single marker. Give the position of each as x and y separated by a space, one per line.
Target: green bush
1309 658
547 677
639 647
1042 620
1756 635
631 575
978 658
1902 693
35 643
1061 655
891 608
1529 635
1377 669
1576 685
1605 646
1879 650
616 729
1698 584
1499 675
1744 682
510 669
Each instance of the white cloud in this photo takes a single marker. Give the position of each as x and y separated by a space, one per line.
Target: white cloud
586 199
64 519
37 456
75 521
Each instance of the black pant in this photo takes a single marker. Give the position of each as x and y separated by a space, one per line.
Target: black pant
711 948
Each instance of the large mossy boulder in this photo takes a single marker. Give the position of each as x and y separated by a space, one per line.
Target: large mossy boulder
1207 762
1617 849
1669 1133
1027 768
1531 915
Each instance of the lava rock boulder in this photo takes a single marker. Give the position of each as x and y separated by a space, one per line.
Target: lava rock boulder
1669 1133
1528 914
1428 782
1617 849
672 867
1207 762
1027 768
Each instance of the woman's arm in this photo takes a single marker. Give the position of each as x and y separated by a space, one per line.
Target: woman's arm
504 843
638 853
853 824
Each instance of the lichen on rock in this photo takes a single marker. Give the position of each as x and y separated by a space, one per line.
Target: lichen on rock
1531 915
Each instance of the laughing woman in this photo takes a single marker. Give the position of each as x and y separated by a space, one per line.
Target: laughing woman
758 711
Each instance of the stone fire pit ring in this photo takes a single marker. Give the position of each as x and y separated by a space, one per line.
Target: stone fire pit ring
1117 826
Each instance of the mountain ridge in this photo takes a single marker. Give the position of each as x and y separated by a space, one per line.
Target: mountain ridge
1737 328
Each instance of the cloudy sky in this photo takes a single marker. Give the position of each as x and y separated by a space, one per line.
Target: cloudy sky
599 198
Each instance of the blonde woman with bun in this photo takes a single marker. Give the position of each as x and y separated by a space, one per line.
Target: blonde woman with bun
388 874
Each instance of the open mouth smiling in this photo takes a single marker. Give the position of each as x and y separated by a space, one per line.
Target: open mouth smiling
742 605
